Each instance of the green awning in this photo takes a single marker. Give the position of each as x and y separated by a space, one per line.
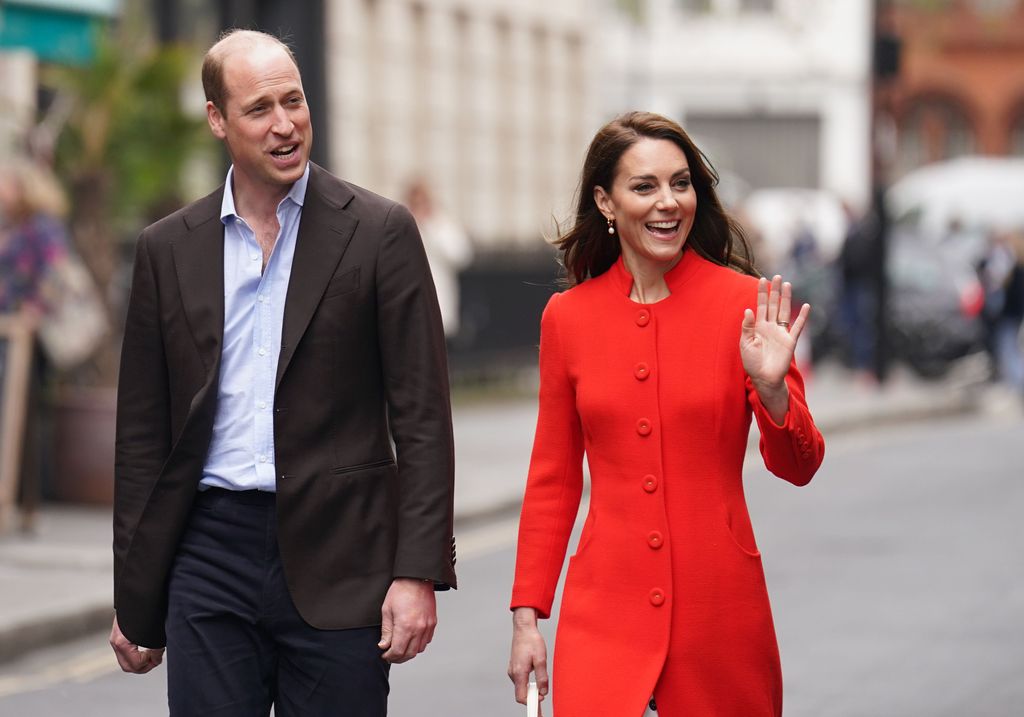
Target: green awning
61 31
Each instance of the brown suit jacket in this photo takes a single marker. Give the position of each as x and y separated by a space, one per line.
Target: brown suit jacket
362 364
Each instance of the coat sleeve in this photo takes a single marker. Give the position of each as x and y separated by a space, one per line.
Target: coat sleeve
143 433
794 450
555 482
415 372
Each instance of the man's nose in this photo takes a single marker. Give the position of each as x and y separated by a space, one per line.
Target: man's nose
283 124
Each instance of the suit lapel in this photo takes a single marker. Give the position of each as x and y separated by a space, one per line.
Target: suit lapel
325 231
199 264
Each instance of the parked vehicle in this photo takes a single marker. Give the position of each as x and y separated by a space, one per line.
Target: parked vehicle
934 308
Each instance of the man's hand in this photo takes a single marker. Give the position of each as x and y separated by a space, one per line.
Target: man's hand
409 616
131 657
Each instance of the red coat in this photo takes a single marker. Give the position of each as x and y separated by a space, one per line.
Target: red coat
665 594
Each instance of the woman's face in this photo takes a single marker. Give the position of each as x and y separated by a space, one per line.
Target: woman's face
652 202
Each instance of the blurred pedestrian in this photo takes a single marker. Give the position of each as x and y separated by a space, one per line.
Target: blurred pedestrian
282 336
33 241
652 365
448 250
1003 273
858 292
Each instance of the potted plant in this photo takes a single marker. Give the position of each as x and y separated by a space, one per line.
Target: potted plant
121 145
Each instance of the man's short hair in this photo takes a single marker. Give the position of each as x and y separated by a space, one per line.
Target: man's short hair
213 62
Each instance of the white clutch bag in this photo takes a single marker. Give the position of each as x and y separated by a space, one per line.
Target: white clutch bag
532 700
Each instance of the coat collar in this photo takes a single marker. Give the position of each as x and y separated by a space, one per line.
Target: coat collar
325 230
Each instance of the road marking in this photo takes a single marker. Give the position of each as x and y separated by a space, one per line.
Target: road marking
81 668
96 663
488 539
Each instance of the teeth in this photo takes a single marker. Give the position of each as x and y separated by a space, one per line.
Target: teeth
663 225
283 151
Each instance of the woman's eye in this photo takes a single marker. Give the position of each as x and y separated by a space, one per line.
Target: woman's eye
683 184
642 187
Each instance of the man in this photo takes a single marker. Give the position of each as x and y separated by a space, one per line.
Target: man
282 333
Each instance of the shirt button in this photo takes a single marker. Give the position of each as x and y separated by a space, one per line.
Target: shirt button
643 317
650 483
262 404
643 427
262 351
262 299
263 459
254 258
657 597
642 371
654 539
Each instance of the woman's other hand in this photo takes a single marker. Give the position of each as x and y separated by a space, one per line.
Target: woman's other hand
767 342
529 654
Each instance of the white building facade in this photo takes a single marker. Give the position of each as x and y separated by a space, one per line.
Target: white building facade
490 101
777 92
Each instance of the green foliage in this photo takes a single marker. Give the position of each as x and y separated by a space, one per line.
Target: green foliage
126 130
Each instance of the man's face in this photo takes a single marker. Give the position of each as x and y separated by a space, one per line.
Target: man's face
265 124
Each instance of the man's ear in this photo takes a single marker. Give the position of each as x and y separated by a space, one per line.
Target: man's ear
216 120
604 202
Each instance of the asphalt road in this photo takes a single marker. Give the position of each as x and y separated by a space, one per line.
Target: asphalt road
895 579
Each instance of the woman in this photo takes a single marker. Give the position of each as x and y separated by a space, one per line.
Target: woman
32 240
653 364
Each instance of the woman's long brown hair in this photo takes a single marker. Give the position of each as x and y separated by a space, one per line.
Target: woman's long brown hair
587 248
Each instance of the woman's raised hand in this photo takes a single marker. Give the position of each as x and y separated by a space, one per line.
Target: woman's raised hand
768 341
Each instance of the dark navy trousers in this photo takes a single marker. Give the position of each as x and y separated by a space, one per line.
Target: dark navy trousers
235 642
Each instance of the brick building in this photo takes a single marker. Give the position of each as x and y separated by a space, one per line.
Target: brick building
961 86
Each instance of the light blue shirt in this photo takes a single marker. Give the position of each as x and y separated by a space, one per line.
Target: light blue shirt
241 455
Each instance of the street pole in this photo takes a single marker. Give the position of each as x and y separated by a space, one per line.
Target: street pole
885 70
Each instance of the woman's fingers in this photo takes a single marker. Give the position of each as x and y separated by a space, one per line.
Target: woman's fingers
762 300
785 304
799 322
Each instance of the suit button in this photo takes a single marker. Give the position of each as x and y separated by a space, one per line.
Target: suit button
657 597
654 539
650 483
642 371
643 427
643 317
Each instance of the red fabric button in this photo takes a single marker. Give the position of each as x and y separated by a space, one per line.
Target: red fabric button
643 427
650 483
643 317
641 371
654 539
657 597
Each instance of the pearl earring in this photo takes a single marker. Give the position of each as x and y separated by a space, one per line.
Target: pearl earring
611 226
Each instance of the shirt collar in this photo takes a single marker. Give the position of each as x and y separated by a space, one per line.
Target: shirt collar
227 206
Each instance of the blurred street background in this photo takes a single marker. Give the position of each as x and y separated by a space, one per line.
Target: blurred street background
873 151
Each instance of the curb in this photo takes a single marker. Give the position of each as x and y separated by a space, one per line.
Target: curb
19 639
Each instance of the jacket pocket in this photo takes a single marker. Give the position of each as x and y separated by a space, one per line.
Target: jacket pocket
343 283
742 534
339 470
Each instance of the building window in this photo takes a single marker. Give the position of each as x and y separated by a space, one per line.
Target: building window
1017 135
932 130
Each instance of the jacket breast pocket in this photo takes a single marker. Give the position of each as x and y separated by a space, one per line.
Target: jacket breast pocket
343 283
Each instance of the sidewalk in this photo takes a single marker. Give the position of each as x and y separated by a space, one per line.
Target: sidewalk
57 581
